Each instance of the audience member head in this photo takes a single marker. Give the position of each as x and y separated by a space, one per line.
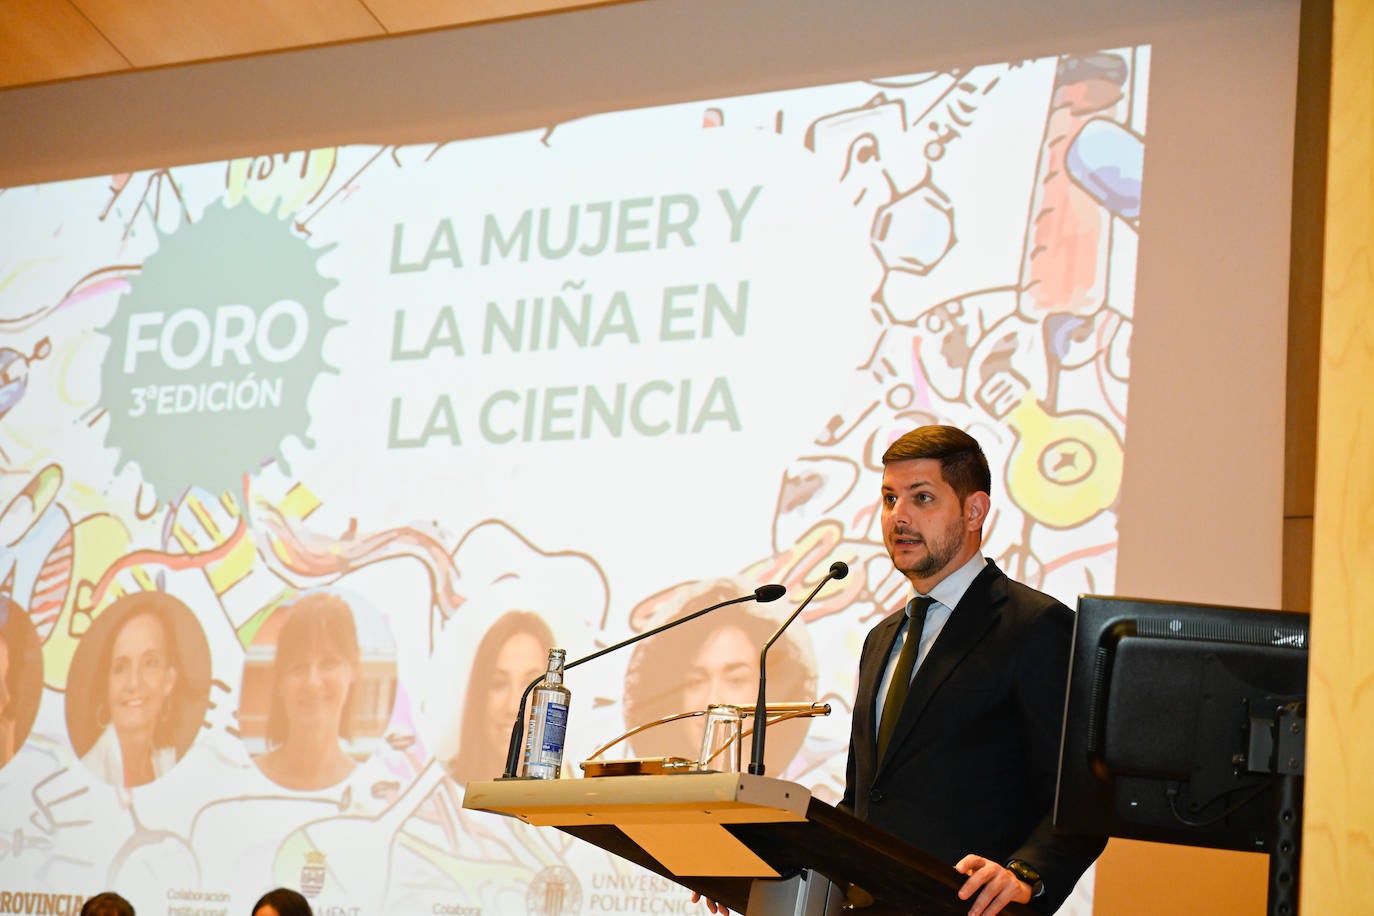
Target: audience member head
281 901
107 904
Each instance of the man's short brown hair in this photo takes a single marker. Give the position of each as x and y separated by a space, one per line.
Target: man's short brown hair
962 462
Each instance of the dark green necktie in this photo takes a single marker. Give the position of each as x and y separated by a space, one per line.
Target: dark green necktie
901 675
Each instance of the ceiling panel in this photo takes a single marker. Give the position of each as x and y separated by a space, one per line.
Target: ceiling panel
157 32
415 15
47 40
42 40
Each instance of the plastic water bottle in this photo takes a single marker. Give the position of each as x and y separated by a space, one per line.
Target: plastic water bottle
548 725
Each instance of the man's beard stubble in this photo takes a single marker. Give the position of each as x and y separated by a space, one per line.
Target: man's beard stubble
940 552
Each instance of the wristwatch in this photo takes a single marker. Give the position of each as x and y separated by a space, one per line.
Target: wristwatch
1027 873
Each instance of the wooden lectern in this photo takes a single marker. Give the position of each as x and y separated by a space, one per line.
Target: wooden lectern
761 846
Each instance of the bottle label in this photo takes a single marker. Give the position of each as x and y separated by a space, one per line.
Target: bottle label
555 731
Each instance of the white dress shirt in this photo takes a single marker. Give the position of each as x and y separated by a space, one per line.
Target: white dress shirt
947 594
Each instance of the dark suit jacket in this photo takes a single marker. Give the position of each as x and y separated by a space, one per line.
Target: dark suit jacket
972 765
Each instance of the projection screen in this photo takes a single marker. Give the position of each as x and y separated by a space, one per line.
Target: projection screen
312 456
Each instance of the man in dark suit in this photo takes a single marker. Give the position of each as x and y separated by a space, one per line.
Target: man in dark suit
962 763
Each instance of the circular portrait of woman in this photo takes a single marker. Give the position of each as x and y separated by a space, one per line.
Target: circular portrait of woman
319 685
21 677
138 688
714 660
512 652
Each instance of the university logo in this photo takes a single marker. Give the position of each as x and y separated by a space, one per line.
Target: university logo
312 874
555 891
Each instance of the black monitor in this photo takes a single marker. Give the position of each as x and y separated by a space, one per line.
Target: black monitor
1181 720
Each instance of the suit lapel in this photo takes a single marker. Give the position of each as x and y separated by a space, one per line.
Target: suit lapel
866 693
978 610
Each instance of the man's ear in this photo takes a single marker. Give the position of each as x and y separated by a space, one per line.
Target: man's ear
976 509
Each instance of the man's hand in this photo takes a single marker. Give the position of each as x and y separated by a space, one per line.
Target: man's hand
994 885
719 908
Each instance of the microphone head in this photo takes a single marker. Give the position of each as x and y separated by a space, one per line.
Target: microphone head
770 592
839 569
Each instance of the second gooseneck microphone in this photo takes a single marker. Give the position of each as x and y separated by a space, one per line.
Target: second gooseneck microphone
838 570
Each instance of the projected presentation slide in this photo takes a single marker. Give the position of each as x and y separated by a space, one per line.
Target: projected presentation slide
310 458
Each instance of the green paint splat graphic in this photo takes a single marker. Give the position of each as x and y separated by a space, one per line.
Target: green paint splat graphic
214 349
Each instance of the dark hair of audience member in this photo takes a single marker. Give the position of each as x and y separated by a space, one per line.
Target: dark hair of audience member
107 904
284 901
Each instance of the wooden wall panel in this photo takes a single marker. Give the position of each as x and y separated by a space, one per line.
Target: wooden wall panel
1147 879
1338 835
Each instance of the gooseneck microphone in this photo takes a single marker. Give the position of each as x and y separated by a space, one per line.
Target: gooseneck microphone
838 570
762 594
